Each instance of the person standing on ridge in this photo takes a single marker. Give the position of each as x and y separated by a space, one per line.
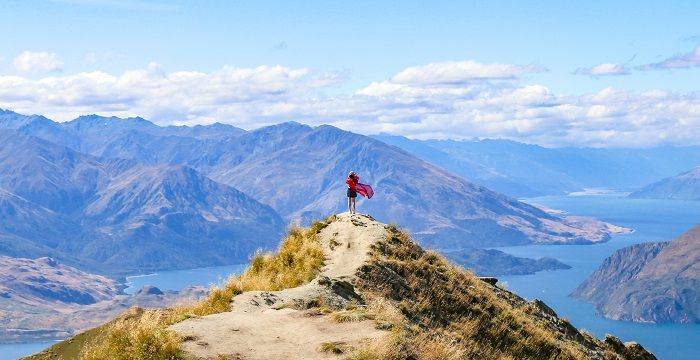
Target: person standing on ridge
352 181
354 188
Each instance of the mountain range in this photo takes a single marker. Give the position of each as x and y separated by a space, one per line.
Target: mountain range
299 171
684 186
525 170
649 282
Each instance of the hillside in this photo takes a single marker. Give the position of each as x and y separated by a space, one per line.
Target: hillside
349 287
44 300
649 282
44 280
92 212
491 262
299 171
524 170
684 186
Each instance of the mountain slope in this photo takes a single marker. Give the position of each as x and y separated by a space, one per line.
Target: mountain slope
684 186
649 282
186 218
29 220
120 216
377 295
47 174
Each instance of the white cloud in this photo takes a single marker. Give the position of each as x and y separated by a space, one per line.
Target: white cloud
606 69
37 62
459 72
253 97
678 61
226 94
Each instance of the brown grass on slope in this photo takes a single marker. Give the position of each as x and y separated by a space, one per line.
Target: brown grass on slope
439 311
143 334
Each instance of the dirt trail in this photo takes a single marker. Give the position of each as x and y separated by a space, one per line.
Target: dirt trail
261 325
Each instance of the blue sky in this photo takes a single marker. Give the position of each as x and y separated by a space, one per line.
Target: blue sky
553 48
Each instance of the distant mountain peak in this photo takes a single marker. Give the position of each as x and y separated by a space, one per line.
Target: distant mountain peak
95 119
289 125
286 129
12 120
684 186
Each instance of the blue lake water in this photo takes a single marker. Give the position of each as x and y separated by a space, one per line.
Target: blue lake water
15 351
179 279
652 220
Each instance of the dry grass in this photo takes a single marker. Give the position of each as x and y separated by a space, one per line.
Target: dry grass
140 335
144 335
353 315
439 311
335 347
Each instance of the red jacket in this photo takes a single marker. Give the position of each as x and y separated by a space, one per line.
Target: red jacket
352 182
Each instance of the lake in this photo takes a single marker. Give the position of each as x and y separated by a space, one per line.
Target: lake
15 351
179 279
652 220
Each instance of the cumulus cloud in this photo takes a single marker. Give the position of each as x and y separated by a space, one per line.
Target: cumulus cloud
37 62
413 105
226 94
606 69
460 72
678 61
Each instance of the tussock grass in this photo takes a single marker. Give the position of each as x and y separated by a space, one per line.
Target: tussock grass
354 315
140 335
143 334
335 347
440 311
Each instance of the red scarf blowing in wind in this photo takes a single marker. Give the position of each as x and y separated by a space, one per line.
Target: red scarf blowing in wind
365 190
